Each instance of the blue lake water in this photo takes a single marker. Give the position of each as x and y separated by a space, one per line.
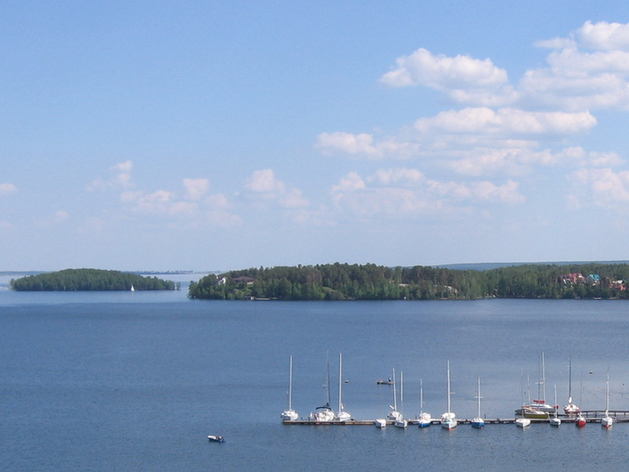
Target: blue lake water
136 381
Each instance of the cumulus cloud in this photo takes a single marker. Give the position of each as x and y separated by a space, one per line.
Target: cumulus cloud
604 35
196 188
121 178
363 145
381 194
7 189
264 184
506 122
463 78
586 70
193 203
599 187
264 181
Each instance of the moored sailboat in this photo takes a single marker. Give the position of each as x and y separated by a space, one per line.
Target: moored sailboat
607 421
400 422
570 408
555 420
448 419
478 422
342 414
394 415
289 414
424 419
325 413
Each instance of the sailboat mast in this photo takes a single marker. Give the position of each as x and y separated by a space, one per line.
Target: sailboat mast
328 368
543 379
421 397
478 396
290 383
448 376
340 381
402 391
570 380
607 395
394 393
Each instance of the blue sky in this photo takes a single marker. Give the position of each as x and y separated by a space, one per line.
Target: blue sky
202 135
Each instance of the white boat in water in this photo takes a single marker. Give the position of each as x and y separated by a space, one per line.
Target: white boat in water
478 422
325 413
570 408
448 419
522 422
342 414
424 419
394 415
555 420
400 422
607 421
380 423
289 414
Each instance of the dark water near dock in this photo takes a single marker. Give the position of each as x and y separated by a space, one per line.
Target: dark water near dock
136 381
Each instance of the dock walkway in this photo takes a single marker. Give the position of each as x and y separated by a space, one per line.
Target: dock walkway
591 416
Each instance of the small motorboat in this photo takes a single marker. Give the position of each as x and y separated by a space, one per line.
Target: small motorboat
384 382
216 438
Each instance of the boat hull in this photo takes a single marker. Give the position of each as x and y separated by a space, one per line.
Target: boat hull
478 423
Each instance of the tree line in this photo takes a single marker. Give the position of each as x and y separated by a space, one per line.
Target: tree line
89 280
372 282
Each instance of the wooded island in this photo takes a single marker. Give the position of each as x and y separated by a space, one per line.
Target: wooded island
372 282
89 280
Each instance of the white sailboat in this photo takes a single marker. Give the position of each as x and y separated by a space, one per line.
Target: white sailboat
570 408
478 422
400 422
394 414
538 408
448 419
425 419
342 415
325 413
555 420
289 414
607 421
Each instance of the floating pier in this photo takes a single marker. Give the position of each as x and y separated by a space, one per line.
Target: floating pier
591 416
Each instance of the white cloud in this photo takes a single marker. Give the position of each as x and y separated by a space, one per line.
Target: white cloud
399 175
575 79
462 78
387 193
604 36
120 180
506 122
7 189
600 187
348 143
196 188
264 181
264 184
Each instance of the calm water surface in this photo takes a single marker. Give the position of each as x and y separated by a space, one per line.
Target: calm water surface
136 381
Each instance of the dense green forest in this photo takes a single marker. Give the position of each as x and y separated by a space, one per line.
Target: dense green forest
373 282
89 279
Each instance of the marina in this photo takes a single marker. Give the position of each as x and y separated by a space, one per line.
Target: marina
591 416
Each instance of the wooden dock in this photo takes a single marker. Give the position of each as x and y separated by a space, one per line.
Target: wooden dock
591 416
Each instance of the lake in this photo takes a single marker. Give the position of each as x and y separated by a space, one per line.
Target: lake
136 381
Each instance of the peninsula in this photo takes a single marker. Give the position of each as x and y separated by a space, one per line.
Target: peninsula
372 282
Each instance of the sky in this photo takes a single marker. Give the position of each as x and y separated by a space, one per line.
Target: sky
207 135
